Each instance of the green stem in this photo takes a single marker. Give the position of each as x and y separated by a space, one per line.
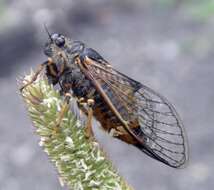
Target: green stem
80 162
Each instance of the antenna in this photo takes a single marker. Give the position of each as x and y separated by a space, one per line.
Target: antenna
46 29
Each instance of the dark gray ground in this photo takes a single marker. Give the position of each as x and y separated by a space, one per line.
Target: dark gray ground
167 45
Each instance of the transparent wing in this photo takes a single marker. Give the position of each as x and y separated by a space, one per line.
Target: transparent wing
160 128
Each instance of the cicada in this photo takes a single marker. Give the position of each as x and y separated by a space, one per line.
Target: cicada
124 107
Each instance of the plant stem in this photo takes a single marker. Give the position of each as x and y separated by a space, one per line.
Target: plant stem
80 162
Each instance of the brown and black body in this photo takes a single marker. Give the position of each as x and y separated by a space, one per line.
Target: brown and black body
73 78
129 110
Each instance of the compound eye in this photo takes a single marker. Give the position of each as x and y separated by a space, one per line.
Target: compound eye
54 36
60 41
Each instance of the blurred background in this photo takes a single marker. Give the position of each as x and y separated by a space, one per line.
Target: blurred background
165 44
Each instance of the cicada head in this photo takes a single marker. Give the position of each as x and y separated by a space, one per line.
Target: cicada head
59 44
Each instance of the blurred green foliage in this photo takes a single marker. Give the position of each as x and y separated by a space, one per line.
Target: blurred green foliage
2 8
167 3
201 9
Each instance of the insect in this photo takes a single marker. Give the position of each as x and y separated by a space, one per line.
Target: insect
129 110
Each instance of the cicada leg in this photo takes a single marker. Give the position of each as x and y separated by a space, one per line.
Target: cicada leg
38 71
117 131
89 111
86 107
88 128
64 109
65 62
